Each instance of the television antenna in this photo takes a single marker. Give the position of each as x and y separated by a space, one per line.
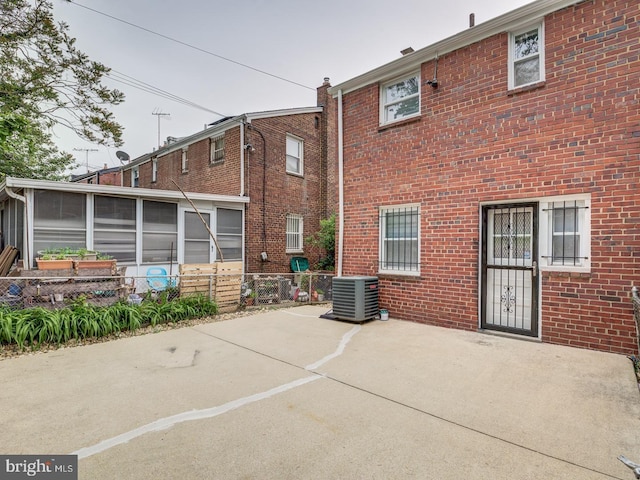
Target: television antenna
86 150
159 114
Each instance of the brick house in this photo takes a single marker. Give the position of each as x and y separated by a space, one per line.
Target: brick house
282 160
104 176
492 179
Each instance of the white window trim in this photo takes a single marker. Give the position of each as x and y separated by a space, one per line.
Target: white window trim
545 234
300 159
299 233
541 54
154 170
135 177
406 273
185 161
383 105
213 151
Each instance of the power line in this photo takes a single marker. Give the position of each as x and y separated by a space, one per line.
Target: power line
194 47
146 87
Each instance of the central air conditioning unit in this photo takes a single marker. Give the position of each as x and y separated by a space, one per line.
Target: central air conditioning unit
355 298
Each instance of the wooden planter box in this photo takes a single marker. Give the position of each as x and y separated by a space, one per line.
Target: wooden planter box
85 264
64 264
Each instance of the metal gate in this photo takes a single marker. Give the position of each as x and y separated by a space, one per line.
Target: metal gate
510 282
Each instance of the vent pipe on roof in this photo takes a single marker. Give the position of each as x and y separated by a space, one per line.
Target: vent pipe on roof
472 19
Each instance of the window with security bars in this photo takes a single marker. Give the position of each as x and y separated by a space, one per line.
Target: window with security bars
566 225
399 250
565 235
217 149
294 233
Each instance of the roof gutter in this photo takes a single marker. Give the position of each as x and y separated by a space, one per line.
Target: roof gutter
506 22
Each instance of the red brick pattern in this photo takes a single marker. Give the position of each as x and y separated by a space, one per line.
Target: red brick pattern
273 193
577 132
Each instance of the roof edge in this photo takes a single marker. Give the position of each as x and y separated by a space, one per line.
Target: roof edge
14 182
507 21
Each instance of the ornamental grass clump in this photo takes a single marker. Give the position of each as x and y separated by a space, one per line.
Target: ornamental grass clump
80 320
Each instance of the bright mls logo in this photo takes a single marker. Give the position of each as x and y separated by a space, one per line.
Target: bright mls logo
46 467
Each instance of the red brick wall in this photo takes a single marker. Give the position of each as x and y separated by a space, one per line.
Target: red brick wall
222 178
578 132
285 193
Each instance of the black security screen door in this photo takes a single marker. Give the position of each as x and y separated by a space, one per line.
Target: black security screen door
509 268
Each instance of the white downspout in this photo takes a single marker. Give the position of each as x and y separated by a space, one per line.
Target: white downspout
26 258
340 185
242 154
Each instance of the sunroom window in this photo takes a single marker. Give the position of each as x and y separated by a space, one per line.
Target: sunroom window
114 227
159 232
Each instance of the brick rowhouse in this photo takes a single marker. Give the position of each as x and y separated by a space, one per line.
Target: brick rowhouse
273 192
476 141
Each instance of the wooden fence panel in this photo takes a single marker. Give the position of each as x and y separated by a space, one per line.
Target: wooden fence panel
221 281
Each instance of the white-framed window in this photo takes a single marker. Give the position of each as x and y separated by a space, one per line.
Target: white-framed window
565 234
229 233
59 219
399 249
135 177
159 231
526 56
154 170
185 161
400 98
217 149
295 150
295 231
114 227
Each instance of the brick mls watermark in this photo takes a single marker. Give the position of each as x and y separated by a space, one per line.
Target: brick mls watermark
46 467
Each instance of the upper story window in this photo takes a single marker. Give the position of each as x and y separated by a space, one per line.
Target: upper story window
565 239
135 177
399 250
294 155
526 56
185 161
400 99
217 149
154 170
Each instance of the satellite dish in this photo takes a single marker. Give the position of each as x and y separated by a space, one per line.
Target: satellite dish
122 156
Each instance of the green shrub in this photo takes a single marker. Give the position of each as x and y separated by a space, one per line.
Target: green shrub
80 320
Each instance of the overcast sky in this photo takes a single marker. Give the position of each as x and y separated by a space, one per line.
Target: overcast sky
301 41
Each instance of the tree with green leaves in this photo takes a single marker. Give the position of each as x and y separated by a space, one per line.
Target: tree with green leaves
325 239
46 81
